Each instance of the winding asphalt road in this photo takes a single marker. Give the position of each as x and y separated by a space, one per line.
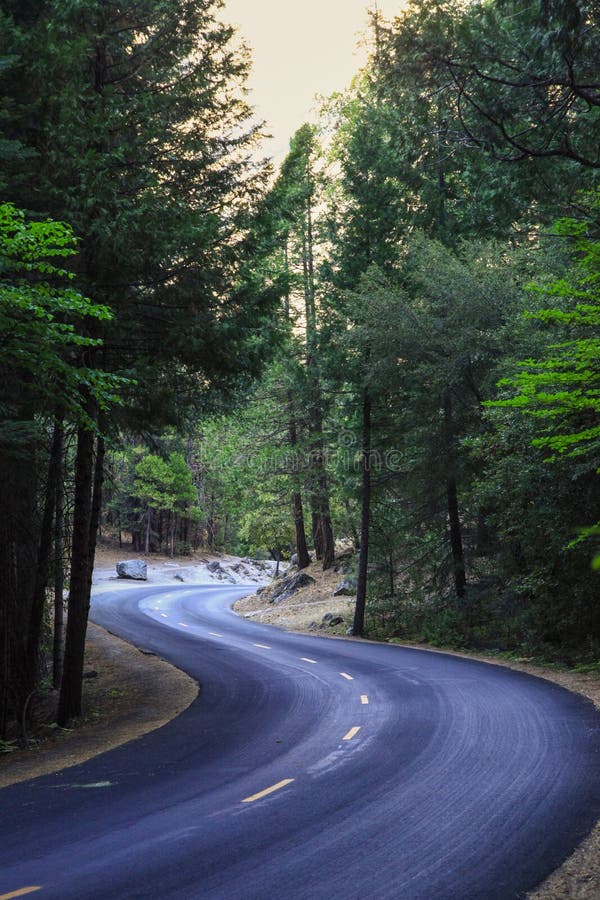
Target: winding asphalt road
311 768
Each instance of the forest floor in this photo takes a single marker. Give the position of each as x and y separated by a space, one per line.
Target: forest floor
132 693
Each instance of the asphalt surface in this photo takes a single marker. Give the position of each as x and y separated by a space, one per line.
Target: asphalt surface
311 768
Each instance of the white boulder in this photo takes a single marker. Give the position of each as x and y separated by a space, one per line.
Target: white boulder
133 568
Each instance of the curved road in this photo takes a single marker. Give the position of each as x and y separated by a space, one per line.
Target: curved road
311 768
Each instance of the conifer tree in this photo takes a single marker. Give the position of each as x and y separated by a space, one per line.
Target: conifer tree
137 131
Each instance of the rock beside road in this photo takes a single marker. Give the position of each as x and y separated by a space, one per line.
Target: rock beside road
289 586
135 569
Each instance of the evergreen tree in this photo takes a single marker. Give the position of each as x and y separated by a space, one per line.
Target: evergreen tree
139 139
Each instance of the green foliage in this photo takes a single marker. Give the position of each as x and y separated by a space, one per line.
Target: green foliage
142 146
40 317
164 484
563 388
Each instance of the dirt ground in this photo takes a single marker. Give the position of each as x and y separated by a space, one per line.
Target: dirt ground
133 693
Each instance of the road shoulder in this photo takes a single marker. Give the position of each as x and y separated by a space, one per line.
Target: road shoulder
127 694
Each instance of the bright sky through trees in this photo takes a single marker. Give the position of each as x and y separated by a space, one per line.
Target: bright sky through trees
299 50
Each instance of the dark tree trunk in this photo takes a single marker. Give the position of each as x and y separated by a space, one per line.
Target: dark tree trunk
363 558
322 529
96 499
456 543
297 507
317 534
44 555
148 529
69 704
172 535
301 546
59 572
19 545
326 526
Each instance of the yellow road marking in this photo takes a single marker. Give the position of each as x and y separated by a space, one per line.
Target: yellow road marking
262 646
21 892
164 615
364 699
265 793
352 733
215 634
183 625
346 676
306 659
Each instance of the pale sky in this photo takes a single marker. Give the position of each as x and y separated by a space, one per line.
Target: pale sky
300 48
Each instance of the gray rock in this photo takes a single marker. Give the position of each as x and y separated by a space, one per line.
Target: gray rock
345 588
344 562
133 568
294 559
288 586
214 566
331 620
178 577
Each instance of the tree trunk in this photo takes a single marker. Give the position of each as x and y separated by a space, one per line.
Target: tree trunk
19 544
322 529
44 555
321 517
172 536
363 558
317 535
96 499
69 704
297 507
301 546
148 527
456 543
59 572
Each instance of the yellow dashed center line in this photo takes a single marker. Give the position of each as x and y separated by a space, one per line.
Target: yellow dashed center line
164 615
265 793
215 634
306 659
21 892
364 699
262 646
183 625
346 676
352 733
